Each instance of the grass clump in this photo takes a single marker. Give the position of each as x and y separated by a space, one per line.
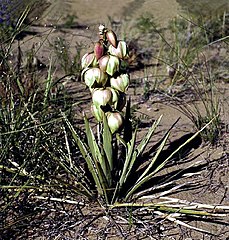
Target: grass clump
31 133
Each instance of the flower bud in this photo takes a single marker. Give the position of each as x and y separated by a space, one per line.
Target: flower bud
121 82
97 112
103 61
98 50
112 38
88 77
101 97
88 60
115 97
115 121
94 76
120 51
109 64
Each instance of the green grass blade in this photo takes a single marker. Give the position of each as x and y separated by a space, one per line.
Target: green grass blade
48 84
22 173
82 186
164 208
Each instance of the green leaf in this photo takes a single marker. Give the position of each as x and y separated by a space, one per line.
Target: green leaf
149 176
129 152
85 153
127 133
181 146
144 177
97 153
133 153
155 157
107 142
130 157
141 147
100 161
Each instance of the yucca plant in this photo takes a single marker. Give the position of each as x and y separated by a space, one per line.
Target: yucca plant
120 166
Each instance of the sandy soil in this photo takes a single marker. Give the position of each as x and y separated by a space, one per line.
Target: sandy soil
95 12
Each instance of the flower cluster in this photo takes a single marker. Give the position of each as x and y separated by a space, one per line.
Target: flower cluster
105 73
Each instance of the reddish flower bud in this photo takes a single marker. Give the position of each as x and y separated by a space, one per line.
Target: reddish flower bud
112 38
88 60
98 50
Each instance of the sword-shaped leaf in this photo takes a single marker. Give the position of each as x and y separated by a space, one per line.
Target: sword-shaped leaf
128 160
144 177
107 143
98 155
85 153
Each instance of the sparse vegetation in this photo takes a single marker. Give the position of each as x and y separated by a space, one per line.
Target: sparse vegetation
69 64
